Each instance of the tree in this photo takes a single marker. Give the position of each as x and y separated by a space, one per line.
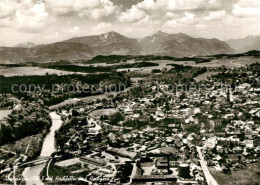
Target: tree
116 118
75 112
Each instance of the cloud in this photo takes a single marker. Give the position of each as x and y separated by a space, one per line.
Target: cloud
147 5
138 18
185 23
250 8
200 26
215 15
177 4
74 30
98 13
188 19
32 18
7 8
248 3
102 27
5 22
171 24
170 14
132 14
236 22
94 9
26 15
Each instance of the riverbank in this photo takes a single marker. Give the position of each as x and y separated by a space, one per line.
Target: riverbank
29 147
31 174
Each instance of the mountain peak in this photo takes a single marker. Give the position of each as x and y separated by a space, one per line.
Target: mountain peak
161 33
112 33
26 45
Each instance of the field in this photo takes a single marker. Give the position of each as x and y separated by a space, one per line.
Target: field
24 146
4 113
236 62
229 63
59 174
248 176
162 65
21 71
97 113
204 76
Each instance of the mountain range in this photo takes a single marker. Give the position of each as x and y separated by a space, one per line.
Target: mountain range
112 43
245 44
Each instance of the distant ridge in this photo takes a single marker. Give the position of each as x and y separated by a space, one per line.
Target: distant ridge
113 43
245 44
26 45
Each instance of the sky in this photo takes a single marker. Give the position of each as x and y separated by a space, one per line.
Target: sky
47 21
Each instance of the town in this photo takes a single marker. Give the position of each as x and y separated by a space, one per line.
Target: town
187 132
155 133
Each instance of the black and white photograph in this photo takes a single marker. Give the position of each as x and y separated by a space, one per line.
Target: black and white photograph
156 92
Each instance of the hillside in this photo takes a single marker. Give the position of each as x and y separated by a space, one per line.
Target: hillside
245 44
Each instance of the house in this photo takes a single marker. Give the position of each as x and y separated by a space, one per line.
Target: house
213 123
162 163
97 162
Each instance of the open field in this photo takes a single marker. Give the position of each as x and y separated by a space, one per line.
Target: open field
97 113
4 113
21 71
236 62
136 79
229 63
162 65
204 76
248 176
110 64
24 145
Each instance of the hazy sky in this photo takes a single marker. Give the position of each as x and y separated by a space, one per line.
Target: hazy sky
45 21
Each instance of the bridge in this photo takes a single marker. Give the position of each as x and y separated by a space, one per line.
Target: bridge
39 160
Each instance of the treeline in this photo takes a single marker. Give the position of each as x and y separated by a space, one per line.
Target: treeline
195 71
200 71
6 101
75 68
49 80
253 53
31 118
179 68
53 89
100 69
197 60
110 59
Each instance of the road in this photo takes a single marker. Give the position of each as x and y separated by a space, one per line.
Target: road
28 145
47 172
210 179
6 151
133 173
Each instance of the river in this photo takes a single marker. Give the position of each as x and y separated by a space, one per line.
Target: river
31 174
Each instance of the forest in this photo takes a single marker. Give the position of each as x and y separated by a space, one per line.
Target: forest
27 119
53 89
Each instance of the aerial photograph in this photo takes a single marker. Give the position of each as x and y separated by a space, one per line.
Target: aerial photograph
157 92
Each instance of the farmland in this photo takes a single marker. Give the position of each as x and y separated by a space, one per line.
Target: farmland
4 113
30 71
250 175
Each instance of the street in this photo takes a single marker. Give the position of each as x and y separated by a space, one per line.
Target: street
210 179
